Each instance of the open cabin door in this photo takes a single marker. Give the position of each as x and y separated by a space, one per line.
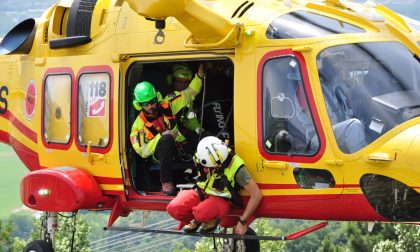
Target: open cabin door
212 108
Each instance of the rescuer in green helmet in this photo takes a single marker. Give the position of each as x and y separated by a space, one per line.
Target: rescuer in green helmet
155 131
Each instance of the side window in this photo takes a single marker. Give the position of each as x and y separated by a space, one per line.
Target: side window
308 178
57 109
94 109
288 127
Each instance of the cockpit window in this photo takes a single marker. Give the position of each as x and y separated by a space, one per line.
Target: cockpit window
368 92
303 24
288 127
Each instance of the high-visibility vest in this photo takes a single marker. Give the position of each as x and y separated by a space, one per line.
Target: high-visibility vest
145 135
213 175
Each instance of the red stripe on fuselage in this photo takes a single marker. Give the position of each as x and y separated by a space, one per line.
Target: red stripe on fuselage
345 207
29 157
349 186
20 126
295 186
349 207
4 137
110 181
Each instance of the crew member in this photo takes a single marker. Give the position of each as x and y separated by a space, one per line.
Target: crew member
155 132
215 195
349 131
179 80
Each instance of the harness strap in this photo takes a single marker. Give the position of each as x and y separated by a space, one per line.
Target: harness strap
236 199
200 193
168 121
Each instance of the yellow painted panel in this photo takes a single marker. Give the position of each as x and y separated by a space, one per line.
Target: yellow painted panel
108 187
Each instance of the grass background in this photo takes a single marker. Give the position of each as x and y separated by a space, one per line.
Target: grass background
12 171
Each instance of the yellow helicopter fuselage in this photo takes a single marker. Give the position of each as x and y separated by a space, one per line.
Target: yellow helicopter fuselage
66 92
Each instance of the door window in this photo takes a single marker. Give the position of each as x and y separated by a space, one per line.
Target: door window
288 126
308 178
57 109
94 109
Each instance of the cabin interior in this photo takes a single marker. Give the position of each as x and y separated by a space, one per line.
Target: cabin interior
213 107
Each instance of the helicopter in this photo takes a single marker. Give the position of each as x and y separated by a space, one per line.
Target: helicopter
66 91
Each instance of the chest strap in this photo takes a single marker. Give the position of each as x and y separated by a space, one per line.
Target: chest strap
164 119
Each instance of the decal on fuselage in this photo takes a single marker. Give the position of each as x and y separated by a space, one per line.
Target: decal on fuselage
4 92
30 100
96 101
221 120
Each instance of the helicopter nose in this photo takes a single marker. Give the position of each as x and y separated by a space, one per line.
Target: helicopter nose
392 187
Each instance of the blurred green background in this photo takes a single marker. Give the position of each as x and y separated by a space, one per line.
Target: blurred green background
12 170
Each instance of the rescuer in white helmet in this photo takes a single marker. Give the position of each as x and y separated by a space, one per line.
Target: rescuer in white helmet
210 202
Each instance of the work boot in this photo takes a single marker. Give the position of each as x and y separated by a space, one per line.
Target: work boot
209 227
169 189
192 227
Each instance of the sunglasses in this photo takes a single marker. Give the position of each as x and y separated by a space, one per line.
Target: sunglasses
145 104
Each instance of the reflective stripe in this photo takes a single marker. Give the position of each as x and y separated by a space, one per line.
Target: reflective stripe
143 149
187 92
192 92
191 115
142 135
219 193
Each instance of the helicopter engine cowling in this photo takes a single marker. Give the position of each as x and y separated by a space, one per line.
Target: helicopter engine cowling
62 189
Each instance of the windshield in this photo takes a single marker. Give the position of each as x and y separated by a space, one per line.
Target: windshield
368 89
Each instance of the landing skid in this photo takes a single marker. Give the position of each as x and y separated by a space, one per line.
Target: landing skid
223 235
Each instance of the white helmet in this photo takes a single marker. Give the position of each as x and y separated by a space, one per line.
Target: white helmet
211 151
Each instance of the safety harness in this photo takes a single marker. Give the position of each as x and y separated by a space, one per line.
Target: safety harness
220 181
164 121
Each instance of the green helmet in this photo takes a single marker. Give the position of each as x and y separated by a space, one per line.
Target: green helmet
144 92
182 71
